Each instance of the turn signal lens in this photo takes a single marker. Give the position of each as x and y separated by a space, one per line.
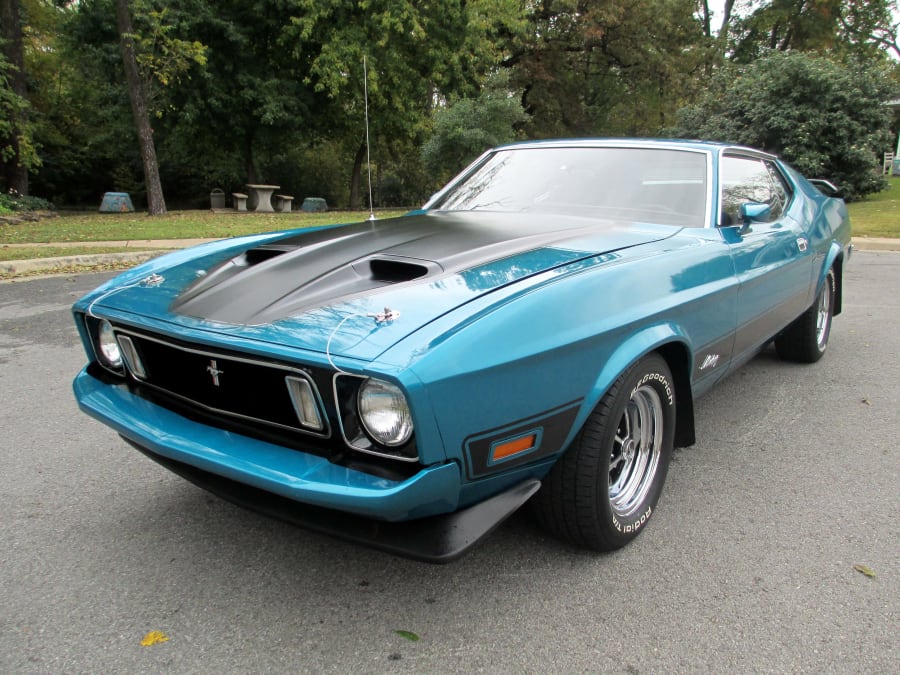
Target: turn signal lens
132 358
304 401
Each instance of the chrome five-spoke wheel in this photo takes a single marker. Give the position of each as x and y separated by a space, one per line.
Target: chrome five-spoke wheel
635 451
823 316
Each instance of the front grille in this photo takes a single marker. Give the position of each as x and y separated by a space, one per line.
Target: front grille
222 383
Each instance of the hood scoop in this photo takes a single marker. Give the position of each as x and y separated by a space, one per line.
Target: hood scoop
254 256
392 270
235 266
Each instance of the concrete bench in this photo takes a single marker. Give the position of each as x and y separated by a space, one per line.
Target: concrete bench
283 203
240 201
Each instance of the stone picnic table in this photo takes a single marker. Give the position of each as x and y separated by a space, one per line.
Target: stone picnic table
261 196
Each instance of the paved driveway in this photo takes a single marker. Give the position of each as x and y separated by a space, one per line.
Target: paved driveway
747 566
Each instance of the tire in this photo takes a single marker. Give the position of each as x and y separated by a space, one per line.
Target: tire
604 489
806 338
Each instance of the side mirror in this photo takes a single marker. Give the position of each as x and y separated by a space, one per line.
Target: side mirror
826 187
753 212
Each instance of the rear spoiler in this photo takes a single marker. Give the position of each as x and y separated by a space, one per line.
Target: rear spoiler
826 187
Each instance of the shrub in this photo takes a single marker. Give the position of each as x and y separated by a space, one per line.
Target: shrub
825 118
16 202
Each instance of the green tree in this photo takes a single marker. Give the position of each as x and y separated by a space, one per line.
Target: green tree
43 65
856 28
608 68
17 152
249 100
91 106
417 53
716 25
467 127
152 58
869 27
156 202
825 118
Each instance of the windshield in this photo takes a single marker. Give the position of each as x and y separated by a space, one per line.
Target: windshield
653 185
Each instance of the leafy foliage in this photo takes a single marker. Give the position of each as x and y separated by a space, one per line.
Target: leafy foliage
826 119
18 150
416 53
16 202
163 58
846 28
609 68
469 126
13 108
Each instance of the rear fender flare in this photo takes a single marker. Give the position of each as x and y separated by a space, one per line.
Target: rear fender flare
834 258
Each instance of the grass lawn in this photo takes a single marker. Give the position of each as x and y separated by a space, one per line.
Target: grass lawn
878 215
88 227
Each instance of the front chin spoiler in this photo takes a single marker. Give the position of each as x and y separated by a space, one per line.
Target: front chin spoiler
435 539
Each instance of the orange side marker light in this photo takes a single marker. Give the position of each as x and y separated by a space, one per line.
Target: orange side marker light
514 447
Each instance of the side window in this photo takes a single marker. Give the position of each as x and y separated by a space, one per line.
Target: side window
745 179
781 190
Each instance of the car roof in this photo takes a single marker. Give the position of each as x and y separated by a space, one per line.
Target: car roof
667 143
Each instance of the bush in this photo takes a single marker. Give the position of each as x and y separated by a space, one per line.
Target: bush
825 118
16 202
467 127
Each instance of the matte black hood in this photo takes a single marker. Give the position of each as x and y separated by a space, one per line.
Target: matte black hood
320 267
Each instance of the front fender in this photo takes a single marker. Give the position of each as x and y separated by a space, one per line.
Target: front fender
638 345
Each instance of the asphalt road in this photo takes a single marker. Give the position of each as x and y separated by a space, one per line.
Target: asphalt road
748 565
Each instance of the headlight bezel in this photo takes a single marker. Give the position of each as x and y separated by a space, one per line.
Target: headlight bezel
355 433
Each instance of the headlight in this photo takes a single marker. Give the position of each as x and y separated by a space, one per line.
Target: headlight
109 348
384 413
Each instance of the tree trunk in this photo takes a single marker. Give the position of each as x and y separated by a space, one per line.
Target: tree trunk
357 172
705 17
725 27
14 171
156 202
727 11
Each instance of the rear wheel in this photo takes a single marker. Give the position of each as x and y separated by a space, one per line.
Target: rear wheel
603 490
806 338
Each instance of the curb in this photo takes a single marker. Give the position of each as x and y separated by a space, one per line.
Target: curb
57 265
875 244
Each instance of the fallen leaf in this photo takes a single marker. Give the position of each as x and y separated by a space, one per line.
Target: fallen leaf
408 634
154 637
864 569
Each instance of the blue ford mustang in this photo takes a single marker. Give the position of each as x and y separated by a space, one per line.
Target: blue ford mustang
538 330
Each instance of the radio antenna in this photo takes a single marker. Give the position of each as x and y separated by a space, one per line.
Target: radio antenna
368 156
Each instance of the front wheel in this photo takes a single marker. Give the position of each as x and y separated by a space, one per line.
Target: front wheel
603 490
806 338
